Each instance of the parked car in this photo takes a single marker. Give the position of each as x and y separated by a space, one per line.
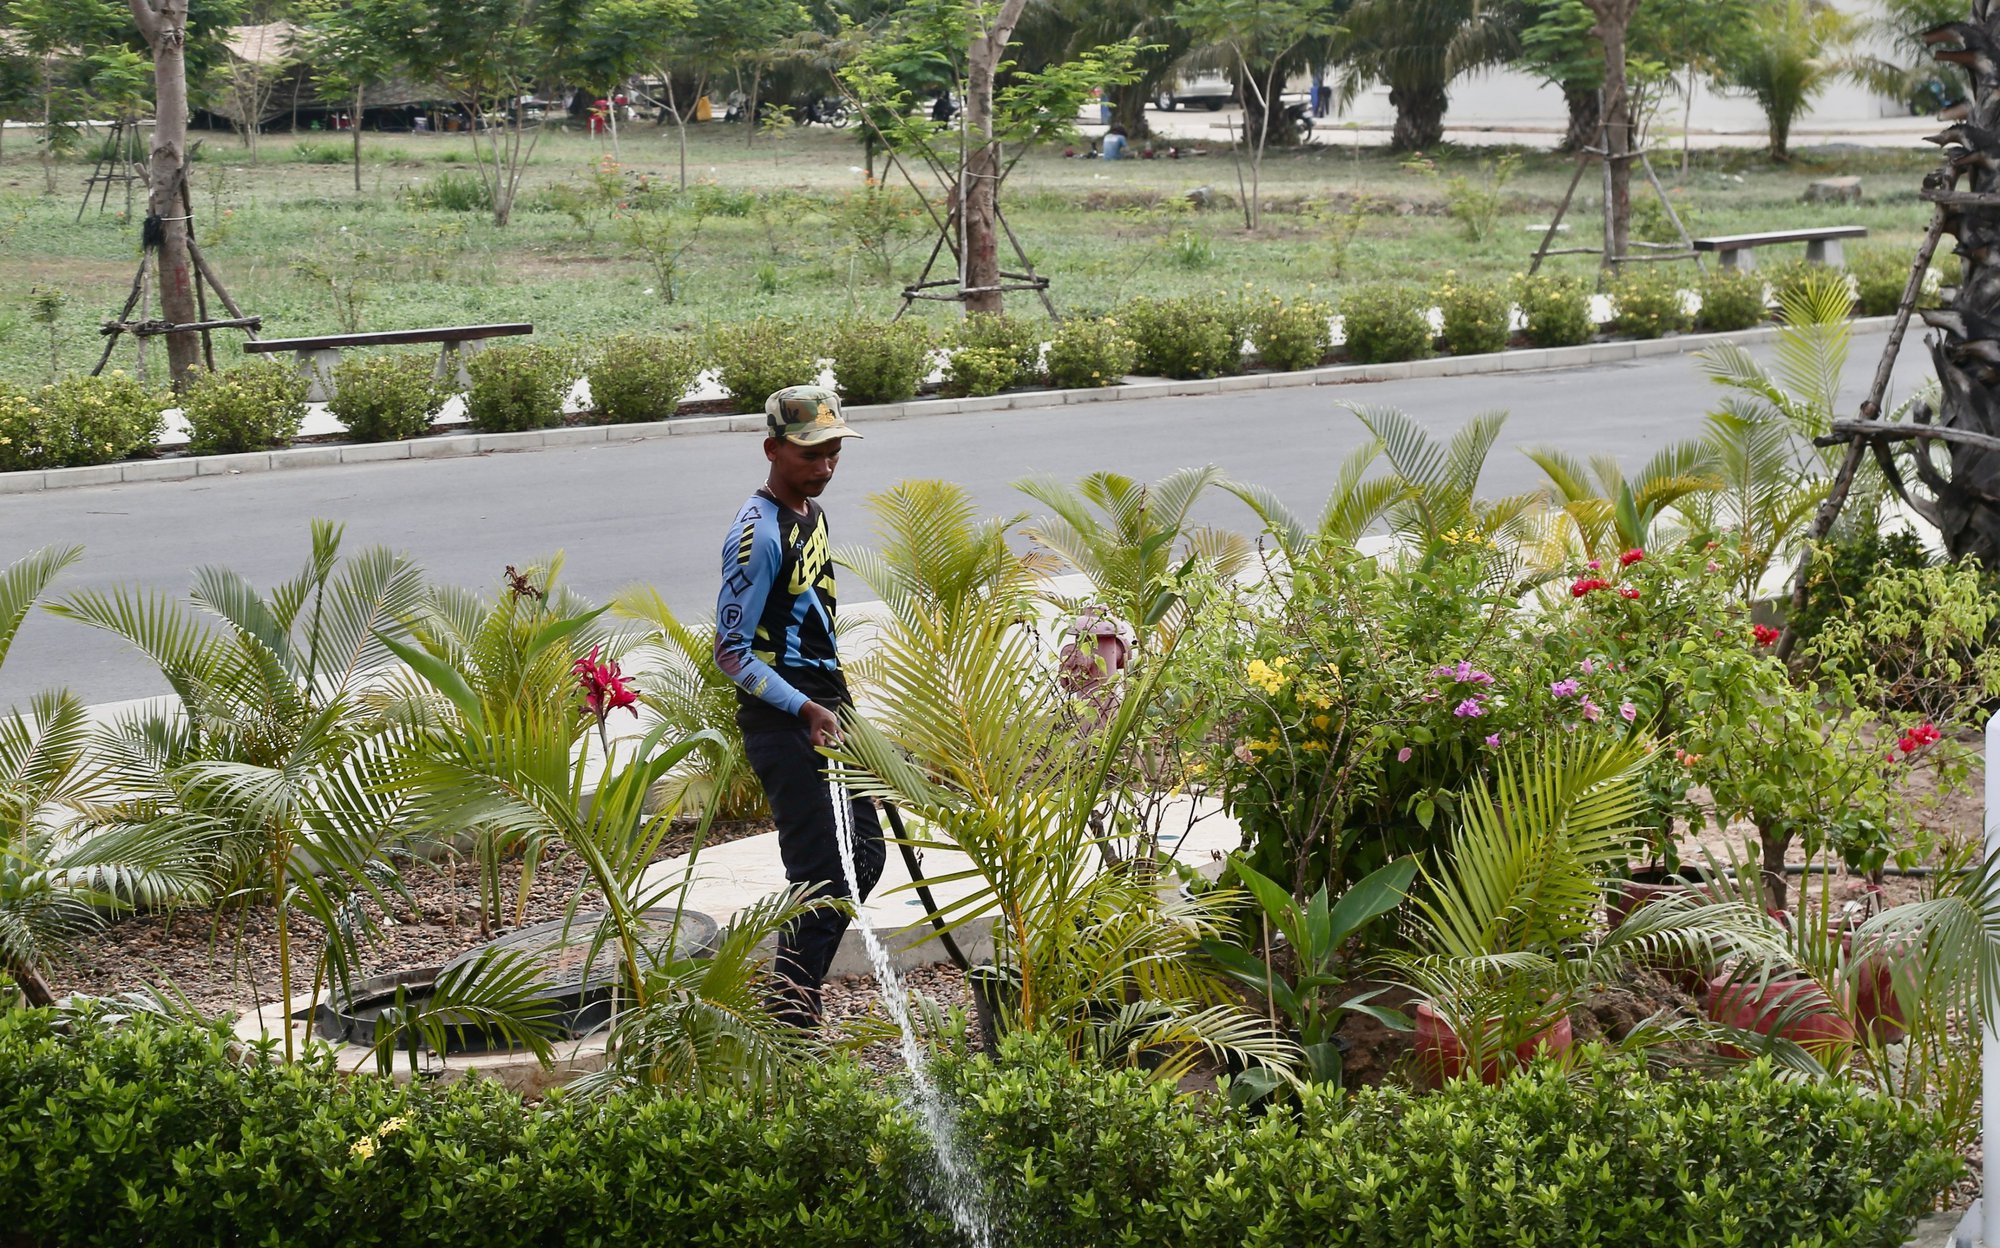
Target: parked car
1210 91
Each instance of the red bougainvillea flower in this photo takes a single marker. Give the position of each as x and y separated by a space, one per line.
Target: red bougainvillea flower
603 685
1578 589
1764 634
1631 557
1628 592
1917 738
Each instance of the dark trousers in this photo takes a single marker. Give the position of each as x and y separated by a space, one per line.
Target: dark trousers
794 779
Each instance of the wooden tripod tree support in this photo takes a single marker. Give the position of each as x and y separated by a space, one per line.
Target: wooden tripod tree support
1964 505
145 328
1601 155
120 160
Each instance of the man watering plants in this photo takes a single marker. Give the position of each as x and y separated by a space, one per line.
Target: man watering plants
774 638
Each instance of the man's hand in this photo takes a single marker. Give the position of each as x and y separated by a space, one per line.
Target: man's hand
822 727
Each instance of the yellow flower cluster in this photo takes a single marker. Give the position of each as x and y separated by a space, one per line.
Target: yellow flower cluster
366 1146
1270 677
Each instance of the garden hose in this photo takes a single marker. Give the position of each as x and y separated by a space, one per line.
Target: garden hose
910 860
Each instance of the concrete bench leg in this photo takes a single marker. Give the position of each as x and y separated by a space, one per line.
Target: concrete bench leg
317 368
1826 251
1740 260
451 362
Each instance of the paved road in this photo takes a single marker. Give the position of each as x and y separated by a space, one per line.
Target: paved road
653 511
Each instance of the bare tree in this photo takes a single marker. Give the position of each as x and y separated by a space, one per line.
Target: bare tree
164 25
980 185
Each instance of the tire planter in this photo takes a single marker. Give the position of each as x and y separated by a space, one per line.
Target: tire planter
1792 1009
1873 976
1440 1057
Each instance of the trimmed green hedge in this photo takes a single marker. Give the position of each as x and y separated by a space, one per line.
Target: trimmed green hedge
151 1134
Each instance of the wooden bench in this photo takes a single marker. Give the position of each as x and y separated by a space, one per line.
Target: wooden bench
318 357
1738 251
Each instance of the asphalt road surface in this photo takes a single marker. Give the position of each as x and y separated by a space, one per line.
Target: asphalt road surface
654 511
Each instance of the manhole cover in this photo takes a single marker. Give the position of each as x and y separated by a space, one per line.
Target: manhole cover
562 947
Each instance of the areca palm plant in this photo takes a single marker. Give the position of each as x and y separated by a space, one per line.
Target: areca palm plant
1503 943
1793 52
1355 504
521 773
1600 512
272 743
1438 505
684 686
60 872
977 744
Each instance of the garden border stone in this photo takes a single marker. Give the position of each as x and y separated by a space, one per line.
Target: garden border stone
445 445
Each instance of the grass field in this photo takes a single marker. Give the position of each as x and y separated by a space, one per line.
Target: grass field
299 247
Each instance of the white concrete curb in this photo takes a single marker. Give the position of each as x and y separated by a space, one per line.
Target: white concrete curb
444 445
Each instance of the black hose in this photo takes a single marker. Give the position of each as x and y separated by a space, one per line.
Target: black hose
895 817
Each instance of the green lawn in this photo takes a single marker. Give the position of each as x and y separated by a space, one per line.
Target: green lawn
293 240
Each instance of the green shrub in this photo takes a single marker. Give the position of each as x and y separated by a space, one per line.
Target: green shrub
1090 351
637 377
1475 316
1783 276
251 407
1192 337
1555 311
754 358
1020 341
1386 324
974 371
1880 273
1294 335
384 398
1646 302
307 153
158 1134
1731 300
454 190
78 421
517 387
879 361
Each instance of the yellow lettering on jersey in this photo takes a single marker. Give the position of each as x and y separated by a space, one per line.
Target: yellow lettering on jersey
812 560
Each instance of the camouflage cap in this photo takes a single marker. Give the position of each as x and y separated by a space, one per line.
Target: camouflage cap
805 416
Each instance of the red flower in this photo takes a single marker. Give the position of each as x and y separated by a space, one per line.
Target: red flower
603 685
1764 634
1628 592
1917 738
1631 557
1579 588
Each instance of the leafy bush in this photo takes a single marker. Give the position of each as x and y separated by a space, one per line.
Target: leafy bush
879 361
1020 341
454 190
78 421
306 153
1386 324
251 407
1090 351
635 377
976 371
384 398
1731 300
1191 337
517 387
1475 316
1880 273
1792 277
210 1149
1555 311
1646 303
754 358
1292 335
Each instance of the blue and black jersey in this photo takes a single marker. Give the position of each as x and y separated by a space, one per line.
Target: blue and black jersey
774 616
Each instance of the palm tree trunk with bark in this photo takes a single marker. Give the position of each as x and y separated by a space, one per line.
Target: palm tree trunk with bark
1419 115
1582 129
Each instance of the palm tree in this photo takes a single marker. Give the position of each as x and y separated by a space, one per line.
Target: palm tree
1353 506
1419 47
1792 53
1437 505
1601 512
685 688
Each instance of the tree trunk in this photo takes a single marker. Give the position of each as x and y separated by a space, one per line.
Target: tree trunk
1774 845
164 24
1614 18
1128 109
1419 115
981 175
356 124
1582 130
33 986
1781 140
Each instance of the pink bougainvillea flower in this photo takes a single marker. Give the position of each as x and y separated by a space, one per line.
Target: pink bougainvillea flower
1579 588
1631 557
1403 755
1591 711
1764 634
1567 688
1589 667
1493 741
1594 565
1463 673
1469 709
1627 712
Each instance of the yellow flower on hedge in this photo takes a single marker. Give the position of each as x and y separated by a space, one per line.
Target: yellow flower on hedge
1265 676
364 1148
1322 722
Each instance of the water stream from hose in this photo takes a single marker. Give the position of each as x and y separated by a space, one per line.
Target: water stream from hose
955 1186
